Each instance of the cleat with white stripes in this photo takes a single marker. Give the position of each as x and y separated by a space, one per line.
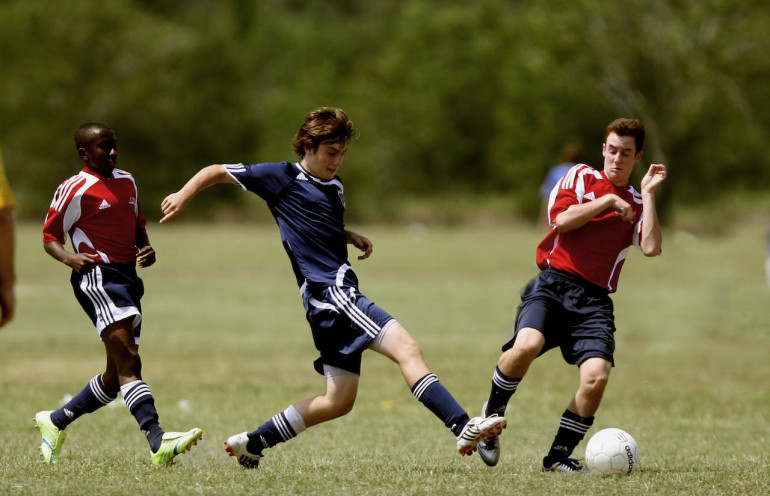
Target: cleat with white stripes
173 444
569 465
53 438
477 430
236 446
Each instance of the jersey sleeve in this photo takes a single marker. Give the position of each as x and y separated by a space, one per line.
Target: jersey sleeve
266 180
53 228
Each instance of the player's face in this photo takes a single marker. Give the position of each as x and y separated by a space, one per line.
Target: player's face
101 154
324 162
619 158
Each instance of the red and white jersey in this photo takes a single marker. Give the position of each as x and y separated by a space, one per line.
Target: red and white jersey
597 250
101 215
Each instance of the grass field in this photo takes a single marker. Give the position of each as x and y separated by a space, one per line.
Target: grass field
225 346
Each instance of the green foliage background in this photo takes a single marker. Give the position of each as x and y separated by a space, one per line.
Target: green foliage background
467 99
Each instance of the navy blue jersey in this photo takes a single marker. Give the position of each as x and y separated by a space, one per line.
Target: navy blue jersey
310 215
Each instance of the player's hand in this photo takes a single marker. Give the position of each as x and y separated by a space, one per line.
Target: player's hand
623 209
655 175
173 205
82 263
145 256
362 243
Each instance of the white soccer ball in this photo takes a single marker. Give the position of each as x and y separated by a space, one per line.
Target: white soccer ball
612 452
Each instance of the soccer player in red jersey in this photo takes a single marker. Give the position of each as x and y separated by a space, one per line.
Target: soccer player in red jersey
99 210
595 217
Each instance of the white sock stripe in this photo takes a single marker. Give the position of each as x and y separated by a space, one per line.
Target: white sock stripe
504 384
423 384
294 419
280 422
574 425
100 393
132 394
353 312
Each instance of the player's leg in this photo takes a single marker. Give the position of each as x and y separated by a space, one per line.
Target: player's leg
123 351
594 375
337 400
578 418
511 368
99 392
396 343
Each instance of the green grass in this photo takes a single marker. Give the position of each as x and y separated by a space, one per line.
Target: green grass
224 331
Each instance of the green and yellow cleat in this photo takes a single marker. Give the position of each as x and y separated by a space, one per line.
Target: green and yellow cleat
53 438
175 443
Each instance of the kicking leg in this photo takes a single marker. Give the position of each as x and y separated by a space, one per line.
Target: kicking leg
398 345
337 400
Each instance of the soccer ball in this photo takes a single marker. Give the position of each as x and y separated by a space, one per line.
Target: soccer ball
612 452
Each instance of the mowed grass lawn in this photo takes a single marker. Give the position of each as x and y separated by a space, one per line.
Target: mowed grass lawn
225 346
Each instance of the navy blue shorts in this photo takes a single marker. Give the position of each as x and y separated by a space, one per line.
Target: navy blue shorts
572 314
344 323
110 293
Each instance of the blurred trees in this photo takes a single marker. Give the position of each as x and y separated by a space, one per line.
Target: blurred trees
453 100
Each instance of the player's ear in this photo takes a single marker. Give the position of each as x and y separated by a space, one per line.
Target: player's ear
83 154
638 157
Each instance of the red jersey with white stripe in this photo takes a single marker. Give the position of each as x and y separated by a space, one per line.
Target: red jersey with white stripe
596 251
101 215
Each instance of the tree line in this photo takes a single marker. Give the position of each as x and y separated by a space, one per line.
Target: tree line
458 102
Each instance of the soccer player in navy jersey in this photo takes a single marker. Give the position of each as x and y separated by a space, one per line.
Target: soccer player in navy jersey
595 217
99 209
307 201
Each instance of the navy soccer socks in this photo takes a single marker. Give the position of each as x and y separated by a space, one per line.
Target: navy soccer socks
572 429
90 399
141 404
503 388
279 429
431 393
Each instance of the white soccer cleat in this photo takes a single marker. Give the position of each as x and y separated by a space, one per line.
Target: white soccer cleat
236 446
477 430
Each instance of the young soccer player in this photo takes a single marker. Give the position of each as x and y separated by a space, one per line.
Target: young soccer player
99 209
307 201
595 217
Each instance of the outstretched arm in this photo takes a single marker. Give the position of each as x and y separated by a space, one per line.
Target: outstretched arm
651 236
175 203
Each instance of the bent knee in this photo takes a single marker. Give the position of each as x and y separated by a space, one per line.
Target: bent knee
339 407
596 382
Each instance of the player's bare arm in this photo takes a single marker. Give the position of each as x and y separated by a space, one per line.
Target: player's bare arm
652 238
145 253
82 263
361 242
175 203
578 215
